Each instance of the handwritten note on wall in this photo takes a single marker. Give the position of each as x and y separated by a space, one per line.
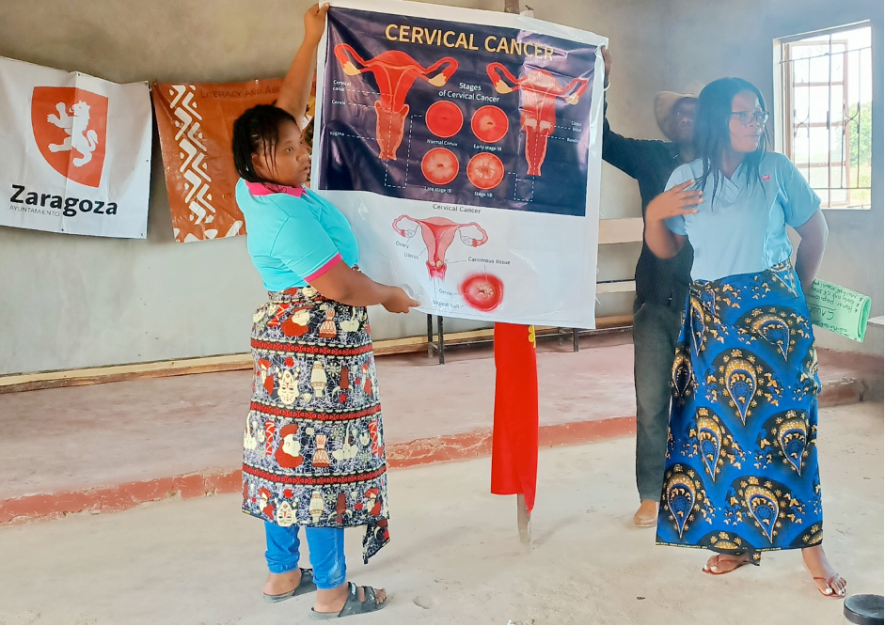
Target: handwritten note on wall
839 309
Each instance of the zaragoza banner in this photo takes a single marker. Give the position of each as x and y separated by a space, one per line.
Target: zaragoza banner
76 155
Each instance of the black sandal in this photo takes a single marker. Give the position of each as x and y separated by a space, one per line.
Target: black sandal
305 586
353 606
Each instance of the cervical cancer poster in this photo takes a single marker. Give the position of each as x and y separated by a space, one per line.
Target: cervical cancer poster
464 147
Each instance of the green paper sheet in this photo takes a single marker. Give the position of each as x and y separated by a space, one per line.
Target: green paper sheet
839 309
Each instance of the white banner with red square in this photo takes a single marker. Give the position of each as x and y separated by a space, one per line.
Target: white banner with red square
76 155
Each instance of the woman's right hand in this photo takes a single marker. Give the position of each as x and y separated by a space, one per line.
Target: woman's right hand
399 301
315 22
679 200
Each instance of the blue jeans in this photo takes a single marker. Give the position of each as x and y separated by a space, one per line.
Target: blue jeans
326 553
655 331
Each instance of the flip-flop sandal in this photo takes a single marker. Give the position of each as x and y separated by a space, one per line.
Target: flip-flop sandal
829 581
305 586
645 522
709 571
353 606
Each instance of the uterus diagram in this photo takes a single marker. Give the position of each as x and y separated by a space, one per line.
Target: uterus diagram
438 234
538 91
395 72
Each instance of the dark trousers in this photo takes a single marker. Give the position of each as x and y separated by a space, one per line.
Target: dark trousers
655 331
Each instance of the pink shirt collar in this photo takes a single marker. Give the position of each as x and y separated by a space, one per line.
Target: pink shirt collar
265 189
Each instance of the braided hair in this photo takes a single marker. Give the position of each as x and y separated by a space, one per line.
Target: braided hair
257 130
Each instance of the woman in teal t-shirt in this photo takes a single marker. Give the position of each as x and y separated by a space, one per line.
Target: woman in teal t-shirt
314 443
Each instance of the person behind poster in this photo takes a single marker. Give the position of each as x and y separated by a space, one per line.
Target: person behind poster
315 402
661 285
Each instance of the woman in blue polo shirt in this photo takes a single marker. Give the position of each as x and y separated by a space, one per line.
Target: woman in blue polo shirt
314 445
742 474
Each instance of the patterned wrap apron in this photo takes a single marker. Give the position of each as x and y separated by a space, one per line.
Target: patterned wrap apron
741 473
313 442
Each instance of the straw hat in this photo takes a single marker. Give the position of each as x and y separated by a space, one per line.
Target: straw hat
664 103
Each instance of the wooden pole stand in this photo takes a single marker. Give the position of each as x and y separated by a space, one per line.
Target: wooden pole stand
523 521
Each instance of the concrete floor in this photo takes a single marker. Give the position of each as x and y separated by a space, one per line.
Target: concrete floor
454 555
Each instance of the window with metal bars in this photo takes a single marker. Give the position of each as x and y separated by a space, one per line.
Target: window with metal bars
826 96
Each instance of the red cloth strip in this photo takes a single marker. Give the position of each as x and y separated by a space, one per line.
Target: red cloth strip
515 435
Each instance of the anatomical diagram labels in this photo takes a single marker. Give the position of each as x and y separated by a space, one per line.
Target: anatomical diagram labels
457 113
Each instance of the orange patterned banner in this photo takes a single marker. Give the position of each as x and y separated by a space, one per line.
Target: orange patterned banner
195 123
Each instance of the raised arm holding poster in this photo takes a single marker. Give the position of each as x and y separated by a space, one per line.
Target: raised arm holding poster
463 147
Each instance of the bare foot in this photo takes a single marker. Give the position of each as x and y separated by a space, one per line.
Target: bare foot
725 563
333 600
825 577
647 514
278 584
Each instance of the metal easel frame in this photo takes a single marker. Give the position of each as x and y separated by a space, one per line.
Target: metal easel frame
438 345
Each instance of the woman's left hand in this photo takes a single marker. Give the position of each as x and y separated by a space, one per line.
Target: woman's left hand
806 288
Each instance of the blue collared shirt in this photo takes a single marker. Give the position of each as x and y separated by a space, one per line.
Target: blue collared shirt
743 229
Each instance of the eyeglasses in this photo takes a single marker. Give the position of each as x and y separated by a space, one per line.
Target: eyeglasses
747 117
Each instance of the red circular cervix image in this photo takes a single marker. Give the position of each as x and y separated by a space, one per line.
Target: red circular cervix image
440 166
483 292
444 119
485 170
490 124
